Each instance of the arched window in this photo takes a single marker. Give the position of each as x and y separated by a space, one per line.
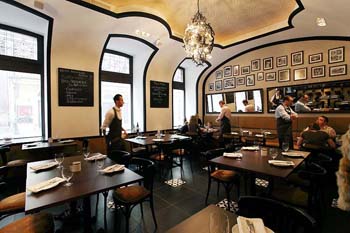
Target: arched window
179 97
117 78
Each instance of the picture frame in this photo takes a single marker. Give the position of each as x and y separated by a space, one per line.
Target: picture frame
255 64
245 70
218 85
250 80
336 55
297 58
338 70
268 63
315 58
300 74
282 61
218 74
318 71
284 75
271 76
240 81
228 71
229 83
235 70
260 76
211 86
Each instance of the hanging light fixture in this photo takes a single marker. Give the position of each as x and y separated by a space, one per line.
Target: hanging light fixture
199 38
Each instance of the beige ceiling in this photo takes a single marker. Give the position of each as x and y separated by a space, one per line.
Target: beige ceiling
232 20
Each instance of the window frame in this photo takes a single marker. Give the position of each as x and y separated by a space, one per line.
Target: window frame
179 86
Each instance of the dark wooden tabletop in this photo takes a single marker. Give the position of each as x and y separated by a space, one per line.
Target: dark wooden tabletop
252 135
254 162
149 140
86 182
46 145
199 222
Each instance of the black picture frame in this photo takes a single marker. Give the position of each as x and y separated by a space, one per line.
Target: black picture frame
270 76
240 81
211 86
315 58
318 71
235 69
297 58
255 64
284 75
260 76
336 55
268 63
250 80
228 71
300 74
282 61
229 83
218 85
218 74
333 70
245 70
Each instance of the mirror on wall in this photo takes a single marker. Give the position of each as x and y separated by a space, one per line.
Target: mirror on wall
310 98
249 101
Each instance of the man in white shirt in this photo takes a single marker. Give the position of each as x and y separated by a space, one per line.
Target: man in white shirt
224 119
248 107
300 105
113 121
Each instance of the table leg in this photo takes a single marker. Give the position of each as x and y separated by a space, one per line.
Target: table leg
87 215
252 184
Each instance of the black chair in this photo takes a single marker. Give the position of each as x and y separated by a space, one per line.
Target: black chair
279 217
132 195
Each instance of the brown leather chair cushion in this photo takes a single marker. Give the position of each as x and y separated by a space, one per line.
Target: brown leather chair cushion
179 151
158 157
14 202
17 163
36 223
224 175
131 194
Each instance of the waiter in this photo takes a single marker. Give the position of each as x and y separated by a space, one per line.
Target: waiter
285 117
224 119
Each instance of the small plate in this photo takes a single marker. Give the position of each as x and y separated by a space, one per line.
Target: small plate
235 229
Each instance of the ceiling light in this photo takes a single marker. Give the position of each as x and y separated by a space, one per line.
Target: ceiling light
321 22
199 38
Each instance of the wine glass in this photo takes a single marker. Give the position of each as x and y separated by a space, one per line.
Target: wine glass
273 153
67 174
100 163
59 157
285 146
86 152
219 223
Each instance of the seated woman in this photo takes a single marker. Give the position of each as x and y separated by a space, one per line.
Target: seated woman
316 138
193 127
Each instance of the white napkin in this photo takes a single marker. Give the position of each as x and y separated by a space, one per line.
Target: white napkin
259 135
97 156
66 141
113 168
234 133
295 153
158 139
250 148
46 184
141 137
281 163
233 155
250 225
267 132
44 166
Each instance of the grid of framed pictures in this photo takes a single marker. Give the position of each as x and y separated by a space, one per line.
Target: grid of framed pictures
236 70
245 70
229 83
256 65
271 76
211 86
250 80
315 58
284 75
300 74
260 76
218 85
268 63
227 71
218 74
336 55
338 70
240 81
318 71
297 58
281 61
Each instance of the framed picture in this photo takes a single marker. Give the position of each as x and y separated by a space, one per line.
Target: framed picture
227 71
240 81
336 55
318 71
300 74
284 75
255 65
297 58
281 61
315 58
218 85
245 70
270 76
250 80
211 86
260 76
218 74
268 63
236 70
229 83
337 70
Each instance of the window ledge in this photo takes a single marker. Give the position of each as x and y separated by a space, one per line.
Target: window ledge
17 141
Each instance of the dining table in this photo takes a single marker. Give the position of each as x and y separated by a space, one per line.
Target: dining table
251 136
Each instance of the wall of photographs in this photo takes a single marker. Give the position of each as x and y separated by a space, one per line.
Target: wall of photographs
295 63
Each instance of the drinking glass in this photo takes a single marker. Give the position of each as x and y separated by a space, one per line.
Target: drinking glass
59 157
219 223
285 146
100 163
67 174
86 152
273 153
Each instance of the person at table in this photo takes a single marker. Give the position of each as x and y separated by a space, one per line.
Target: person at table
224 119
300 105
248 107
322 121
193 127
285 116
113 121
316 138
276 98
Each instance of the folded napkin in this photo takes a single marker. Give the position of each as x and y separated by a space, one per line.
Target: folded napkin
158 139
259 135
281 163
295 153
141 137
97 156
250 225
233 155
234 133
250 148
113 168
43 166
46 185
66 141
245 131
266 132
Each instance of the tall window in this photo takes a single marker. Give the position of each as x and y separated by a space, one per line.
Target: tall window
22 109
117 78
179 97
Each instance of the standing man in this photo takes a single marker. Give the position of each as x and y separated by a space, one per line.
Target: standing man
113 121
285 117
224 119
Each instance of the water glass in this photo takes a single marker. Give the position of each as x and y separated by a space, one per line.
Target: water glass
219 223
86 152
59 157
67 174
273 153
285 146
100 163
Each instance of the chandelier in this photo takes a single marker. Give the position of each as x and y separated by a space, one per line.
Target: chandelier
199 38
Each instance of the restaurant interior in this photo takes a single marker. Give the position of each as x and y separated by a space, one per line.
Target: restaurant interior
174 116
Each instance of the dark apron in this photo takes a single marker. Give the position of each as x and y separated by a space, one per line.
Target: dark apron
225 126
284 130
114 141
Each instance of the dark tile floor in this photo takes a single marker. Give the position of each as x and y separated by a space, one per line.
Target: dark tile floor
174 204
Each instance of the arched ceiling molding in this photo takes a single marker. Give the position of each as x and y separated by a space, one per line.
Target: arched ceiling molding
167 26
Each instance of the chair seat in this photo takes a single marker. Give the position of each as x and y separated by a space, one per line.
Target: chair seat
17 163
12 203
158 157
295 179
224 175
291 195
140 149
179 152
37 223
131 194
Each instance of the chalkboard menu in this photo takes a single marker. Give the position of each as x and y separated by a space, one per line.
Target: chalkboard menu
75 88
159 94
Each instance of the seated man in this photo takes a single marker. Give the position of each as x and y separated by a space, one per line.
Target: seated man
300 105
248 107
322 121
315 137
